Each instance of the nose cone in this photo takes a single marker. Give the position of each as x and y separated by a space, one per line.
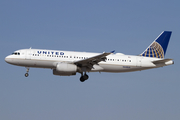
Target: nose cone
8 59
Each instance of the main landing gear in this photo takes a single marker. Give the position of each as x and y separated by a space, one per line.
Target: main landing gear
27 70
83 77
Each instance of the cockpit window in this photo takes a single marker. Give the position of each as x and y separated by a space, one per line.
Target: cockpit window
16 53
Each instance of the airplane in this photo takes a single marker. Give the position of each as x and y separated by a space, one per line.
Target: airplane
67 63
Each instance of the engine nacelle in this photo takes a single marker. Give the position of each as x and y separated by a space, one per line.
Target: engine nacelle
64 69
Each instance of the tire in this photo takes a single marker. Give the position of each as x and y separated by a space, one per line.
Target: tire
26 75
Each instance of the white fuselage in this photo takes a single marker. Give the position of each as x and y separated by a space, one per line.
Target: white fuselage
118 62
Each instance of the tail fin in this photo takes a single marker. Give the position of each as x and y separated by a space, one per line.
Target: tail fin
159 46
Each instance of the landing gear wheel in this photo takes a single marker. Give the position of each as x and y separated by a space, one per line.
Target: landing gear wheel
82 79
86 76
27 70
26 75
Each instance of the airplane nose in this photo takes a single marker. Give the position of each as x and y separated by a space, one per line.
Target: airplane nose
8 60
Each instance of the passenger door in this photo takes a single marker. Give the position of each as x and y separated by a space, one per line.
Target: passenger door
28 54
139 61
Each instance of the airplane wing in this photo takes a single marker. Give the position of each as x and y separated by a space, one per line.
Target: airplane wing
162 61
89 62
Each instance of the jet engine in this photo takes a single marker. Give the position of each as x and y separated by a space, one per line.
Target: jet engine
65 69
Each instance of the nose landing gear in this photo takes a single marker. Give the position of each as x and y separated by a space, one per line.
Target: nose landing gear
27 70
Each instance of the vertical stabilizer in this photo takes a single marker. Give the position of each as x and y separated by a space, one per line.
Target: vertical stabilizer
159 46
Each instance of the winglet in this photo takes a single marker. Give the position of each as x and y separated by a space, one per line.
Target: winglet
113 51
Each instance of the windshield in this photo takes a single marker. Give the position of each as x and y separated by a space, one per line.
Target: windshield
16 53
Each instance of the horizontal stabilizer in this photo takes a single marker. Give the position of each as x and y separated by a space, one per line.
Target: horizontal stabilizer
162 61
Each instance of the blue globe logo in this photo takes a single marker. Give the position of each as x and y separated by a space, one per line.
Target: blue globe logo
155 50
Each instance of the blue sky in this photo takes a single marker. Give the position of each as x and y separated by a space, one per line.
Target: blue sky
126 26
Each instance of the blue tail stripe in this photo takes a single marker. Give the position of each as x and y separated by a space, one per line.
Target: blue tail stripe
163 40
